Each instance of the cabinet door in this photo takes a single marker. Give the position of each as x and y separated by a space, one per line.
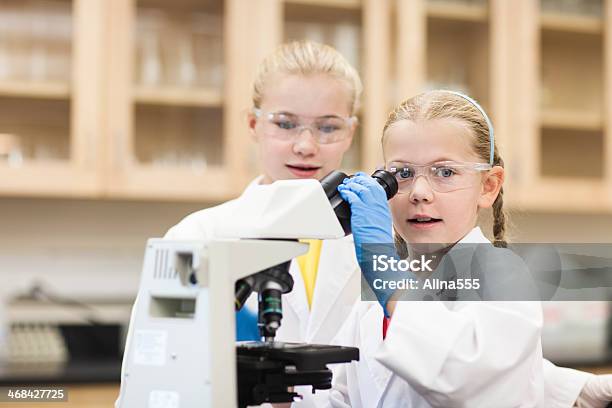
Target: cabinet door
569 147
442 44
559 139
50 97
166 102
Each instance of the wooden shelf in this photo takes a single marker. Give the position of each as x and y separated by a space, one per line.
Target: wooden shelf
211 6
146 182
323 13
211 98
111 130
48 179
571 119
456 11
571 23
30 89
346 4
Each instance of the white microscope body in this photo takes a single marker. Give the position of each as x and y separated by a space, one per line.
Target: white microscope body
181 349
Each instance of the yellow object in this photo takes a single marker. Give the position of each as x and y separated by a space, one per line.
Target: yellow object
309 263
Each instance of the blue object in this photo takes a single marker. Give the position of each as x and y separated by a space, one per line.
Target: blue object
370 215
246 325
371 224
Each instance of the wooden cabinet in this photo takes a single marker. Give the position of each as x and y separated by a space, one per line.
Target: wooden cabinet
50 97
571 137
154 105
563 156
166 101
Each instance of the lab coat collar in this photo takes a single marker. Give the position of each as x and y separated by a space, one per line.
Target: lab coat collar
253 184
337 263
475 236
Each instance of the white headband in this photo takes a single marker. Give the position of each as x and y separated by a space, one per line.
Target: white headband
484 115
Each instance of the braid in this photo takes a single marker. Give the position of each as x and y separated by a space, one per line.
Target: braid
499 221
499 215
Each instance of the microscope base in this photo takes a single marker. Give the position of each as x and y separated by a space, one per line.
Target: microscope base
267 370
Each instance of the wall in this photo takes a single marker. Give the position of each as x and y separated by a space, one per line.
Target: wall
83 249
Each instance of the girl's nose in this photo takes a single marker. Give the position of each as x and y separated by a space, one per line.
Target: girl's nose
421 190
305 143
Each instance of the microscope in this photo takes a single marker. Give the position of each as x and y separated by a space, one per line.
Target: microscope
181 349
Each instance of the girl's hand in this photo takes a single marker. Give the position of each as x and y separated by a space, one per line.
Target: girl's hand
370 216
371 224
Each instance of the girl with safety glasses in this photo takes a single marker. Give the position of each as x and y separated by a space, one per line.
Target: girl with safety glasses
441 148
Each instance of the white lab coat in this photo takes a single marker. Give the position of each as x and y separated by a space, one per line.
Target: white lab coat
451 354
337 290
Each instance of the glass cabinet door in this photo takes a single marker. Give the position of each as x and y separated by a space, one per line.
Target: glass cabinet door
47 145
571 90
169 142
454 49
569 146
458 47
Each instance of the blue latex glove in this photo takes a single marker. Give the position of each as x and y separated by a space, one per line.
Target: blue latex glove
371 223
370 216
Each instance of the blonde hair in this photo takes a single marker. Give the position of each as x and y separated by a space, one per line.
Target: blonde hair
307 58
450 105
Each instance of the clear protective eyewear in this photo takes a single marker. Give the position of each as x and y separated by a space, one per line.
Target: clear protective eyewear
443 176
288 126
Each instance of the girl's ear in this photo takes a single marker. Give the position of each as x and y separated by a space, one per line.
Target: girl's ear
354 125
251 123
491 184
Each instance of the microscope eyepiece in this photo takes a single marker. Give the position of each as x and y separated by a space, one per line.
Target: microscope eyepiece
387 181
342 209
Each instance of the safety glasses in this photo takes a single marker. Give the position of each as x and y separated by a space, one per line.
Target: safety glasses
443 176
287 126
